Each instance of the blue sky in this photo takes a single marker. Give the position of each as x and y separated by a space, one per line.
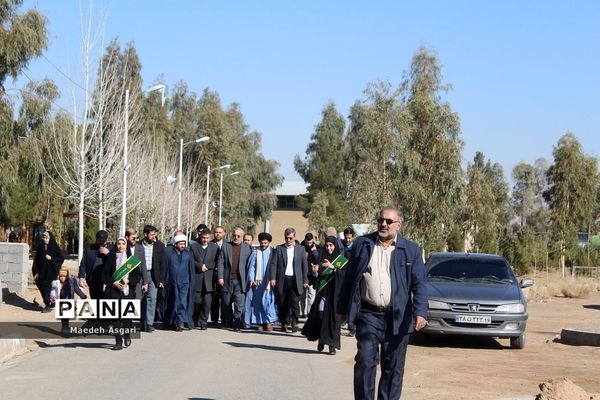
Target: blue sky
523 72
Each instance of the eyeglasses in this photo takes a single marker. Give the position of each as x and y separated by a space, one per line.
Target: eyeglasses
234 235
388 221
289 238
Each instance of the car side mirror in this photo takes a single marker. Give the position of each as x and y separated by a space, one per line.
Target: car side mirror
525 283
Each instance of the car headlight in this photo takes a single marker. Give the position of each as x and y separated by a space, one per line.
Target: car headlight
511 308
438 305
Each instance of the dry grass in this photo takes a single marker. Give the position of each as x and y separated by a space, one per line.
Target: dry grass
554 285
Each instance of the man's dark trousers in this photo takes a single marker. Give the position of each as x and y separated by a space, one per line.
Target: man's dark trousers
372 330
202 310
289 302
233 298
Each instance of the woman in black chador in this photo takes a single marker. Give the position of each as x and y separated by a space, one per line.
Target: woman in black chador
121 289
321 324
46 264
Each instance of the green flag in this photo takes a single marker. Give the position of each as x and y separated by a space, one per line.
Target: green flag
327 275
340 262
129 265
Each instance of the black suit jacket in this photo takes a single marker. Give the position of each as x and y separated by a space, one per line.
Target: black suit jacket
208 257
86 268
224 265
279 262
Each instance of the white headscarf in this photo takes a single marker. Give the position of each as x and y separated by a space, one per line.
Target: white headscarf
121 257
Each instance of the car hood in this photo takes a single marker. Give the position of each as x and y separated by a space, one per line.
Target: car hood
461 292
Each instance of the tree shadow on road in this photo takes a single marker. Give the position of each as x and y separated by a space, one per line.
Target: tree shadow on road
74 345
15 300
268 347
276 333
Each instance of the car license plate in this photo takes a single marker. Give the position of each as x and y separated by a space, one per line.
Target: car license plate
473 319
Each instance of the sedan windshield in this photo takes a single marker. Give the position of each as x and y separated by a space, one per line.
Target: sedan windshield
494 271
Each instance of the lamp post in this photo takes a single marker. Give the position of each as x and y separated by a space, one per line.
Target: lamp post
157 88
208 188
179 179
221 193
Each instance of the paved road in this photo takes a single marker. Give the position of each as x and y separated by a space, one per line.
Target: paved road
212 364
195 365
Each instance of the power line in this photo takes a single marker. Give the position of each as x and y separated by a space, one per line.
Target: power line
52 101
62 73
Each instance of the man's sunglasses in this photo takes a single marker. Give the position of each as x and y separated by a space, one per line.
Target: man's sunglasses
388 221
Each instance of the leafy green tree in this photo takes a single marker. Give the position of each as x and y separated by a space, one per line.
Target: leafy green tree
526 191
250 195
481 209
323 167
573 185
495 174
247 196
24 183
429 175
22 38
317 216
7 145
372 152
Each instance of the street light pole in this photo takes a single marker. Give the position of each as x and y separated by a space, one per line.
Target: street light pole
221 194
180 173
208 188
179 188
160 88
206 201
125 166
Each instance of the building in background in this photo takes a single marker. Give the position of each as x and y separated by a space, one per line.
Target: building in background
286 213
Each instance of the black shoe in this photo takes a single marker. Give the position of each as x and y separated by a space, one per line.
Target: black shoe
351 333
331 350
127 341
46 309
150 329
320 347
295 328
118 346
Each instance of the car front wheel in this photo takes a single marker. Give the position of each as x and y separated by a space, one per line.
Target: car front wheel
518 342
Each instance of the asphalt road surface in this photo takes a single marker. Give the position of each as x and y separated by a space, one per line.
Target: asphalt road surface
211 364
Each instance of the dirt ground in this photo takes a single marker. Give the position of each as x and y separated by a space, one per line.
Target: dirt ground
468 367
481 368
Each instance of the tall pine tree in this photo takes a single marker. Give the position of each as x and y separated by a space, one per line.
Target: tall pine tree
323 170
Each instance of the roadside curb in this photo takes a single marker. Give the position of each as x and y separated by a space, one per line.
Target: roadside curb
10 348
578 337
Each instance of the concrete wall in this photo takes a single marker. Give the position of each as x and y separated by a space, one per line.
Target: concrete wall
14 266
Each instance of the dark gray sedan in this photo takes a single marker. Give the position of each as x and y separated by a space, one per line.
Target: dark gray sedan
475 294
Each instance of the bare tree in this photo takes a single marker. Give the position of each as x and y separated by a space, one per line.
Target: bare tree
82 156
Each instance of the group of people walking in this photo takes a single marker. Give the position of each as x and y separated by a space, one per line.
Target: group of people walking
380 292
